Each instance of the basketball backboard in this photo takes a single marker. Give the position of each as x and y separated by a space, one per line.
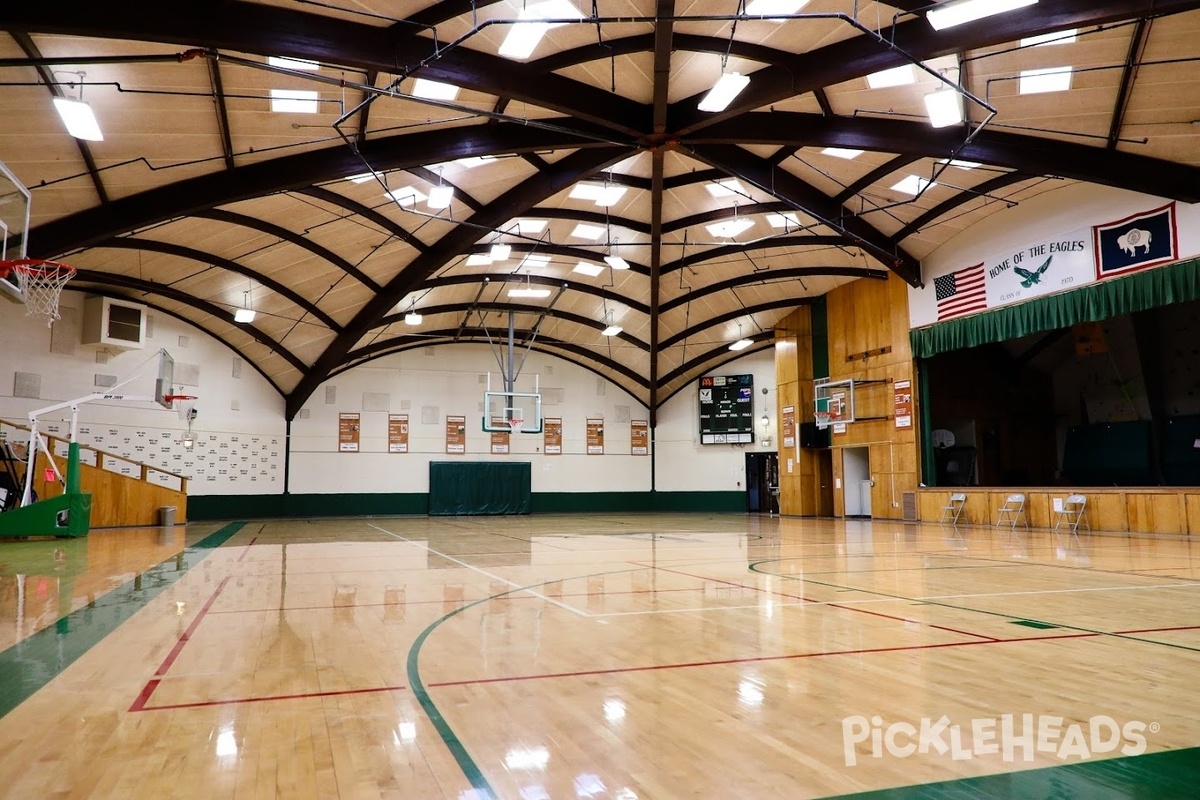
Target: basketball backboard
164 385
515 412
14 224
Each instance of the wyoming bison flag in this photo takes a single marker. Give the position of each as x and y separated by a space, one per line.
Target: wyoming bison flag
1143 240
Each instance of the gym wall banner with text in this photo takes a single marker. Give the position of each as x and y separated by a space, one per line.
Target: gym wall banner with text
1077 258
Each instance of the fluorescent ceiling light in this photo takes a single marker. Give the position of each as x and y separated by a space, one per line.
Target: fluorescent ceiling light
406 196
847 153
589 232
434 90
412 318
741 344
293 101
528 292
528 226
730 227
244 315
1042 39
896 76
500 252
913 185
1040 81
722 93
440 196
959 12
364 177
616 262
954 162
478 260
611 330
774 8
523 37
79 119
535 260
944 107
293 63
588 268
726 188
784 220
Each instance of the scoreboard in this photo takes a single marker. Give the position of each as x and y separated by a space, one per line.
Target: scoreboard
727 409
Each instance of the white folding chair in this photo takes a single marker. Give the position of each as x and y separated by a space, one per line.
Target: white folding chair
953 510
1071 512
1013 511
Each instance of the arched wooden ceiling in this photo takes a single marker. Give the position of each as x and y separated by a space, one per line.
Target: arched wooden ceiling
199 193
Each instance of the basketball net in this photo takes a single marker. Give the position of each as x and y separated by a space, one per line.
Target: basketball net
823 419
42 283
514 424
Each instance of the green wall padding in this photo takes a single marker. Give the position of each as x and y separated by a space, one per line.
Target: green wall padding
458 488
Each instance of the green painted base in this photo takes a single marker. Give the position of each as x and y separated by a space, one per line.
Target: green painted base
284 506
68 515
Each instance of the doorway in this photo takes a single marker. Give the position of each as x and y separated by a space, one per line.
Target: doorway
762 483
856 481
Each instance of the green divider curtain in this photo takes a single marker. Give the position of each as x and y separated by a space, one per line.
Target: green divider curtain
458 488
1100 301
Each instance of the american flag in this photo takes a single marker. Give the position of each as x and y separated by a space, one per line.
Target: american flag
960 292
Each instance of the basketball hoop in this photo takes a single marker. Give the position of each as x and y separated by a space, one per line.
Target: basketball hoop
42 283
185 406
823 419
515 423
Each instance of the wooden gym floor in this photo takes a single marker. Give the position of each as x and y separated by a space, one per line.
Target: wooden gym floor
600 656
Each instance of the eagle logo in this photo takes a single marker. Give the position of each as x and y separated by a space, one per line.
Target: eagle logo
1030 278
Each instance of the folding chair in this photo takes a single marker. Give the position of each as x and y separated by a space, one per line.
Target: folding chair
1071 512
953 510
1013 510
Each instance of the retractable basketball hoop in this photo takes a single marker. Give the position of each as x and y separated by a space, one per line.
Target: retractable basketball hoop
185 406
41 282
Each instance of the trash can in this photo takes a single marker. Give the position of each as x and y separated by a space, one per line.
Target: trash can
166 516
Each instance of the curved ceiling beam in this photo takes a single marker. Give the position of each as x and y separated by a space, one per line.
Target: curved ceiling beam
640 43
875 175
247 27
287 173
148 287
962 198
804 197
454 308
774 243
1033 155
179 251
366 212
590 217
103 290
774 276
721 354
567 251
282 233
863 54
375 349
537 280
776 206
514 202
746 311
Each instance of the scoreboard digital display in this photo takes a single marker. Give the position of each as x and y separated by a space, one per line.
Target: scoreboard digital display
727 409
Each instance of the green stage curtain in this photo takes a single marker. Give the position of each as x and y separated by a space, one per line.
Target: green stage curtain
1152 288
458 488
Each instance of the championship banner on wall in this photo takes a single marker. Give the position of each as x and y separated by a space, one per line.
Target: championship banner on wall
639 437
500 439
397 433
902 397
456 434
348 432
789 426
552 436
595 437
1143 240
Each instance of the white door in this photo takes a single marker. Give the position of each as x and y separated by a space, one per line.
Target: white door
856 470
865 492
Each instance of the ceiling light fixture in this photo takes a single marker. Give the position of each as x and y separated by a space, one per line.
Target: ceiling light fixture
730 228
729 86
742 342
960 12
944 107
501 251
245 314
406 196
434 90
525 34
896 76
614 260
913 185
479 260
611 330
440 196
79 119
529 292
413 318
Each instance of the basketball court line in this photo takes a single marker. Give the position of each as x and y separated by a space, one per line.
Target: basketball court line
485 573
267 699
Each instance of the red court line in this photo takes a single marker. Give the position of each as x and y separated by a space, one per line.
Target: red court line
147 690
757 659
1160 630
247 549
831 605
268 698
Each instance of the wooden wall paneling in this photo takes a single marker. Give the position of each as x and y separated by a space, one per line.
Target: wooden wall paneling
1191 503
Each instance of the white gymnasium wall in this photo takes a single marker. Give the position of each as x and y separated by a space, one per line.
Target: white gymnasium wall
431 383
239 427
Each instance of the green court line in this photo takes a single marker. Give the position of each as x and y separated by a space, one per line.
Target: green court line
931 602
33 662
